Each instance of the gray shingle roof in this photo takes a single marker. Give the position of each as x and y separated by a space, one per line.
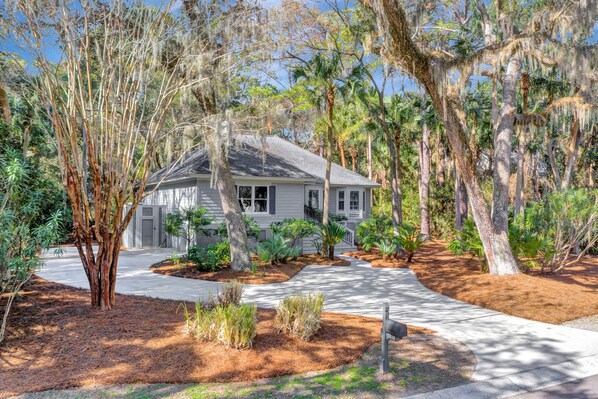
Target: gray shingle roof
265 157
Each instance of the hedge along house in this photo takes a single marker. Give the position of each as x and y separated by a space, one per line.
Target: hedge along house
274 180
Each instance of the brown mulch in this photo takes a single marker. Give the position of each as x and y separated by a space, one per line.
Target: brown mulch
375 259
56 340
265 274
550 298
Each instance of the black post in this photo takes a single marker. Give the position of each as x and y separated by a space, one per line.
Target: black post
384 360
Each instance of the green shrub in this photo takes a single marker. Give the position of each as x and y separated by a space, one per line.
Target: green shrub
251 228
373 230
468 242
318 246
410 240
230 325
211 258
293 229
187 223
387 247
331 233
274 250
300 315
231 293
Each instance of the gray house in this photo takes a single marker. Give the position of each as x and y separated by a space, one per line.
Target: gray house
275 180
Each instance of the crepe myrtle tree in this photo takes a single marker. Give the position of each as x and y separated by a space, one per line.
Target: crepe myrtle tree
98 68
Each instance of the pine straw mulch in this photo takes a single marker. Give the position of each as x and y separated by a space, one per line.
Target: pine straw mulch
56 340
266 274
375 259
550 298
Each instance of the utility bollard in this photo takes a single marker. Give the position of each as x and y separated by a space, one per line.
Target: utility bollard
390 330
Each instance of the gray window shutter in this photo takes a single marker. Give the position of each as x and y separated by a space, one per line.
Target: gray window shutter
272 200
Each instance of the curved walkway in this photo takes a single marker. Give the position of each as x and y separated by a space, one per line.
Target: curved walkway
514 355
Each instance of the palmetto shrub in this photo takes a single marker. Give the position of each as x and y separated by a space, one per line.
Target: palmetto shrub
231 293
274 250
331 233
410 240
373 230
299 315
387 247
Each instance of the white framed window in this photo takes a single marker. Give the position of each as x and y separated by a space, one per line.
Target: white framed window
253 199
354 200
341 200
313 198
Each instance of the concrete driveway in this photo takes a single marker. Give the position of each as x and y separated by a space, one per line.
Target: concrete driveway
514 355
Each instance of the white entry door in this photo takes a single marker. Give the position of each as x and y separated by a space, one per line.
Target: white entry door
147 222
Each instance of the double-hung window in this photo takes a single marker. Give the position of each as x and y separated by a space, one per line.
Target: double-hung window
341 200
253 199
354 200
313 199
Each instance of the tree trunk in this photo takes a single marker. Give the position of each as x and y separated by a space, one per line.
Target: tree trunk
5 107
440 162
341 150
369 161
353 153
394 26
233 216
395 183
571 155
519 203
503 145
424 181
329 139
461 202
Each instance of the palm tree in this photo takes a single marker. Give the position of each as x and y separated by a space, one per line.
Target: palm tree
322 76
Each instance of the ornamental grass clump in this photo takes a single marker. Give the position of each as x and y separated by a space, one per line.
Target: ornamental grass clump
231 293
223 318
299 315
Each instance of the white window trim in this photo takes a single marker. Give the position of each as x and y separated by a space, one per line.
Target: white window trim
338 201
347 211
320 196
253 186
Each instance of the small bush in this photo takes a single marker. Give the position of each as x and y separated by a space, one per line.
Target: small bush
294 229
231 293
212 257
300 315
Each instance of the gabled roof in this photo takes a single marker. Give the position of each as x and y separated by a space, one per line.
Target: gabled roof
267 156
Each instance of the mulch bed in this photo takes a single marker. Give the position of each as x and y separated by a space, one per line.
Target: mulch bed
56 340
265 274
550 298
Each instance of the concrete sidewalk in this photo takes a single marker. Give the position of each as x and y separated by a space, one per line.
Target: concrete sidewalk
514 355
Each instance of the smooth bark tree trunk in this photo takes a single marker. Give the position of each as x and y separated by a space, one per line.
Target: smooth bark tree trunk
503 146
329 138
233 216
461 201
353 153
395 29
424 181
